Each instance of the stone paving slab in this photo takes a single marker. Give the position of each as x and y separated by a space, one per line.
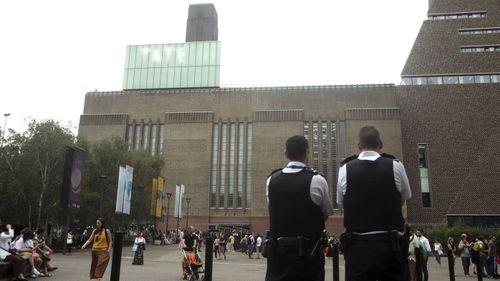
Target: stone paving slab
163 263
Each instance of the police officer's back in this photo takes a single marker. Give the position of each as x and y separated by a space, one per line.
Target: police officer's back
299 204
372 188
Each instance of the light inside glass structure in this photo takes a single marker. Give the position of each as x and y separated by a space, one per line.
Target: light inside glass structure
179 65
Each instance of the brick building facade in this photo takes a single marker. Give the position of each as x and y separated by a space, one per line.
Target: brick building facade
222 143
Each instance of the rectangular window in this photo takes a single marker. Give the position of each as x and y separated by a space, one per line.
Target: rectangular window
333 141
241 142
434 80
137 136
306 130
424 175
466 79
145 137
130 136
154 135
342 140
215 155
249 166
223 166
160 139
232 156
324 148
315 145
450 80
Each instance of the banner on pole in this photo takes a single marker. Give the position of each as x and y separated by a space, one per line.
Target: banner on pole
154 193
179 196
74 169
159 196
124 190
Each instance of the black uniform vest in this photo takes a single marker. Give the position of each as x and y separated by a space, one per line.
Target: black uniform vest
292 212
372 201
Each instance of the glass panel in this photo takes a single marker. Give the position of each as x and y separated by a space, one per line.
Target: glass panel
204 76
181 56
177 77
249 166
419 80
197 77
192 54
191 76
424 184
184 77
132 58
150 77
495 78
434 80
156 56
406 81
215 154
170 77
232 159
423 172
157 77
213 53
218 53
241 141
144 78
154 135
450 80
137 78
426 200
223 167
145 137
137 136
199 54
482 79
130 135
206 53
466 79
160 140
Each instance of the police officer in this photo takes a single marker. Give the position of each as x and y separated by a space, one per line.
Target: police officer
299 204
372 188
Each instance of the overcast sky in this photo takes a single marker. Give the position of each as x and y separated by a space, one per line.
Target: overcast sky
53 52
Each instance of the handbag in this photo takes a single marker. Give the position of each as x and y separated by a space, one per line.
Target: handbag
134 248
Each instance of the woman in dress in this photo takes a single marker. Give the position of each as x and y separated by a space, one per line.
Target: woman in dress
140 246
101 244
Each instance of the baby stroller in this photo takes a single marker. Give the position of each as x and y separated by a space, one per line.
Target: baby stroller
192 265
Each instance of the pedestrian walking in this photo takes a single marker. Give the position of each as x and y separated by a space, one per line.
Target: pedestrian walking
138 248
102 242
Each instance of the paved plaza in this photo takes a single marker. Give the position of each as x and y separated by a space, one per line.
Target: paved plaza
163 263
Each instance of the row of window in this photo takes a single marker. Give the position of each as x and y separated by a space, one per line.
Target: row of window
232 167
323 137
487 30
424 175
146 136
455 79
465 15
480 49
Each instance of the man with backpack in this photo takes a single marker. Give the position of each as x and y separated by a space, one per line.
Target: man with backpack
425 249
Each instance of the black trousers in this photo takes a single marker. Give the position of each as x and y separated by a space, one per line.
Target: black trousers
374 260
291 267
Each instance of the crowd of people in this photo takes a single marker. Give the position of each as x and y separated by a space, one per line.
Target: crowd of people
482 254
31 247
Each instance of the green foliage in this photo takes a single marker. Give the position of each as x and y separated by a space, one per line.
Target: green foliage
31 171
441 233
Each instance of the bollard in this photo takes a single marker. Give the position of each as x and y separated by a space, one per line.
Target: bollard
451 265
335 261
117 255
418 263
209 256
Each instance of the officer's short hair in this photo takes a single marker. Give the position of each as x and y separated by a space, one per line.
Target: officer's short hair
369 137
296 147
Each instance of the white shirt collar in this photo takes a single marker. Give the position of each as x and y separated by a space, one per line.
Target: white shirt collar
368 155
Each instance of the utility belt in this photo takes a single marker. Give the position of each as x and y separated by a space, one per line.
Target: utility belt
300 245
392 237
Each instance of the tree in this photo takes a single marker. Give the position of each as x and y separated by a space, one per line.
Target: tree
31 171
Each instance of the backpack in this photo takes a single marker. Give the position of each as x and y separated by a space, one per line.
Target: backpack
423 249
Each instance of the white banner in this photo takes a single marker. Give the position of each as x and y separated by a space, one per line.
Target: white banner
124 190
179 196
